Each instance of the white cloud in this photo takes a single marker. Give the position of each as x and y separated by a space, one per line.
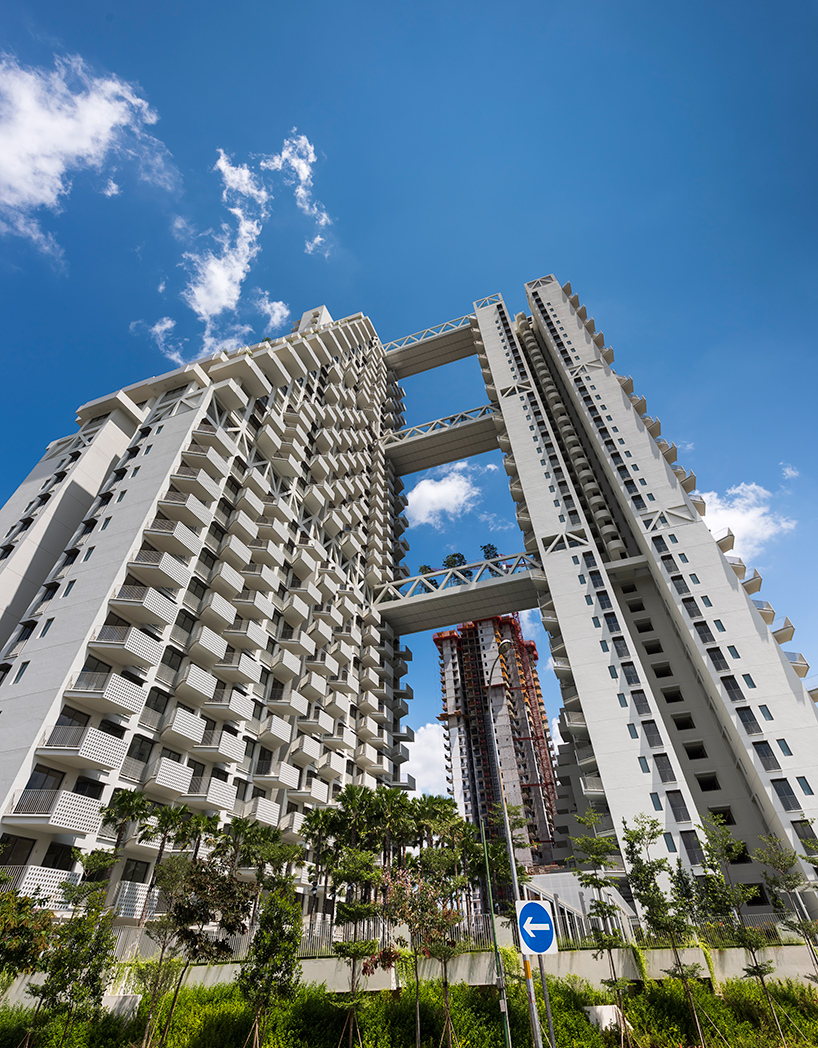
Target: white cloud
241 180
556 737
57 122
444 497
277 313
746 510
111 188
161 334
427 761
216 277
495 523
311 246
685 445
161 287
296 161
789 472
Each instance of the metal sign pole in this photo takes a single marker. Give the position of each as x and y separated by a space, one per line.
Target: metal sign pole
547 1000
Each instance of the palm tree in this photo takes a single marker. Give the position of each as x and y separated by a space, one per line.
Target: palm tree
320 825
355 815
125 807
431 815
194 830
392 810
164 824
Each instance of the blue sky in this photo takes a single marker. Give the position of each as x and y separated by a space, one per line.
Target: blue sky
177 177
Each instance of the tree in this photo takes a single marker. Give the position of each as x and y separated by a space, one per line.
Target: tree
80 955
165 823
601 854
319 828
357 873
271 968
661 913
785 884
194 830
26 926
125 807
457 560
490 551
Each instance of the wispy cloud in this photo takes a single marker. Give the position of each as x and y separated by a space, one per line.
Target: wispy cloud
427 761
277 313
747 510
789 472
443 497
296 161
57 122
495 523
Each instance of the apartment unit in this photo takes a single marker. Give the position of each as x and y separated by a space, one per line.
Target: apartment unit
202 595
185 588
488 689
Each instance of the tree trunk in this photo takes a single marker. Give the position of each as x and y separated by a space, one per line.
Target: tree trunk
166 1029
770 1005
417 993
691 1003
446 1007
67 1025
154 993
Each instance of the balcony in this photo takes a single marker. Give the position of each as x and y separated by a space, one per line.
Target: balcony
210 795
276 773
797 661
181 728
125 646
312 791
206 647
237 666
259 809
367 729
273 529
290 827
251 501
265 551
216 612
287 460
275 732
246 634
591 786
228 704
38 880
140 604
328 613
195 684
295 610
211 436
254 605
184 507
313 687
199 457
317 722
221 746
344 683
299 642
107 693
167 778
260 577
196 482
366 756
573 723
82 747
287 703
305 559
242 526
162 570
765 610
54 810
129 901
305 751
234 552
331 766
173 537
323 664
226 580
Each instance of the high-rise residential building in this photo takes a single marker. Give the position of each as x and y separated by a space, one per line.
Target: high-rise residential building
480 681
202 595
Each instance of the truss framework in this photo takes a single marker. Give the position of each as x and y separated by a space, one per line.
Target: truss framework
448 578
440 424
432 332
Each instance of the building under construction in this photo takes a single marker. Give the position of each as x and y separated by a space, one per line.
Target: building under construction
477 679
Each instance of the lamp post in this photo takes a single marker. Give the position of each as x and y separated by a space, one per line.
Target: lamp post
533 1015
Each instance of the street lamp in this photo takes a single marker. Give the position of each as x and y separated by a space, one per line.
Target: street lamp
533 1016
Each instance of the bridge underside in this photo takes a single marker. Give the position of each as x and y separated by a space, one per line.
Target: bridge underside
447 444
462 602
433 352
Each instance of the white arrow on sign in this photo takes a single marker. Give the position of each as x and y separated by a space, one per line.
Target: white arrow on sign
531 927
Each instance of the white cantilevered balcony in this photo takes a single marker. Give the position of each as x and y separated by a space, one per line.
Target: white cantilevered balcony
272 528
291 825
54 811
343 739
195 684
39 880
235 552
184 507
211 436
311 791
331 766
129 901
323 664
797 661
285 665
308 592
195 481
304 751
220 746
197 456
246 633
591 786
107 693
181 728
313 686
274 732
206 647
287 460
251 501
167 778
336 703
267 552
287 703
210 794
278 774
125 646
251 604
305 559
295 610
242 526
216 611
297 641
225 580
157 568
139 604
260 577
259 809
82 747
228 704
173 537
316 722
238 666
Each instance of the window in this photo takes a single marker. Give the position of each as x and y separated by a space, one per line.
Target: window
703 630
653 647
596 622
785 794
671 844
121 495
784 747
604 645
604 599
672 695
613 672
652 733
724 815
803 831
684 722
656 801
708 603
643 764
692 847
46 627
765 713
612 622
748 680
58 857
69 587
680 585
664 767
640 701
105 523
683 558
629 671
19 675
140 749
623 702
717 658
748 720
694 579
760 897
731 686
695 751
733 651
678 806
15 851
719 625
634 734
691 607
88 553
804 784
659 544
765 754
135 871
662 669
620 647
708 783
669 563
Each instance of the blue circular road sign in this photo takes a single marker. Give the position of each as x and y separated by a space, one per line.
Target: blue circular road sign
536 927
